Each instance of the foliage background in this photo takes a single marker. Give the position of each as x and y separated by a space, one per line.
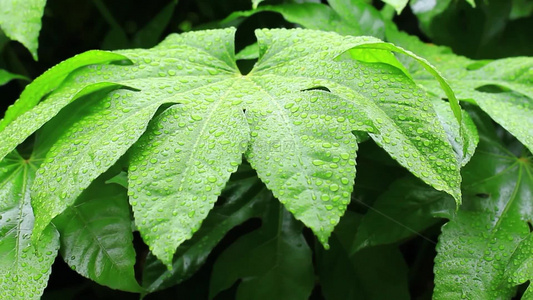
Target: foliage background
494 29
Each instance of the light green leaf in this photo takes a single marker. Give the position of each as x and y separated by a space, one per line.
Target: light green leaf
21 21
249 52
273 262
464 138
24 112
398 5
244 197
208 141
255 3
6 77
24 266
502 88
404 210
96 237
475 247
302 100
520 268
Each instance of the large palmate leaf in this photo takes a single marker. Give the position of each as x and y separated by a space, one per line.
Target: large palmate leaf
481 252
24 266
21 21
273 262
292 117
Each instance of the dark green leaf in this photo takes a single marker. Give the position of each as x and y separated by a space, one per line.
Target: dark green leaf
377 273
274 262
407 208
96 236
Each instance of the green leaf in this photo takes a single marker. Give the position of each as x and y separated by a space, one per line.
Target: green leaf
502 88
208 141
26 116
6 77
273 262
464 138
405 209
302 100
520 268
255 3
357 12
249 52
398 5
24 266
244 198
309 15
151 33
360 276
475 248
521 9
21 21
96 237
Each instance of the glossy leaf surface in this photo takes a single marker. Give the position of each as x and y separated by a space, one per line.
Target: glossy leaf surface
24 266
21 21
280 110
96 236
244 196
475 248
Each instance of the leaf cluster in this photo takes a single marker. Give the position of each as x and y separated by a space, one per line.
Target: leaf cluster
322 159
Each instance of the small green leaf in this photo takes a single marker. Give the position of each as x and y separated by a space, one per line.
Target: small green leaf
21 21
244 197
24 266
6 77
405 209
249 52
398 5
273 262
96 238
255 3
